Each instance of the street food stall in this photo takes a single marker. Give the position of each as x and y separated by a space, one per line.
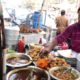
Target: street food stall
51 66
31 34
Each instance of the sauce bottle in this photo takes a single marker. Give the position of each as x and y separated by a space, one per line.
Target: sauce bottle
21 44
40 41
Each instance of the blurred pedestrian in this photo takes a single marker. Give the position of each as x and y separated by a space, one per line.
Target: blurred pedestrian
61 22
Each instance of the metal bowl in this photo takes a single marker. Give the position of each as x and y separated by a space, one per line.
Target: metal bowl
74 71
28 73
20 62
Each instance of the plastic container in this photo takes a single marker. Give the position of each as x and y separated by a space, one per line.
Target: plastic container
32 38
11 34
78 62
35 18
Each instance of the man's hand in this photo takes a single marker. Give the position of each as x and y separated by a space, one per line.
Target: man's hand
44 51
48 47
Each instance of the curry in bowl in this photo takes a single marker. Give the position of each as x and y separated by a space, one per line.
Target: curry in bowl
18 60
64 73
29 73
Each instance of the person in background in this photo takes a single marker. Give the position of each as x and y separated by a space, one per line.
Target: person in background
61 22
72 31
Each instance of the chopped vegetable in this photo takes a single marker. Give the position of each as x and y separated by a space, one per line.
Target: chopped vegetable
42 63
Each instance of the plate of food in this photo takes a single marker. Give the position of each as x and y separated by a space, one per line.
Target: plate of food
28 73
47 63
18 60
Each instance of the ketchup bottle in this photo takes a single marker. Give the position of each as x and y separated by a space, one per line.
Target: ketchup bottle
21 46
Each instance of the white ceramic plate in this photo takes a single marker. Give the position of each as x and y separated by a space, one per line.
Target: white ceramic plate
65 53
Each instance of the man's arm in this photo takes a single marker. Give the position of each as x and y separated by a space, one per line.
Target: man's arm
52 44
49 48
58 39
56 21
67 23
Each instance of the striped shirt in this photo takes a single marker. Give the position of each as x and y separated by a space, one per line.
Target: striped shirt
72 32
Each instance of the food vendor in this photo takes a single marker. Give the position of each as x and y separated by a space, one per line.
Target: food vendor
72 32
